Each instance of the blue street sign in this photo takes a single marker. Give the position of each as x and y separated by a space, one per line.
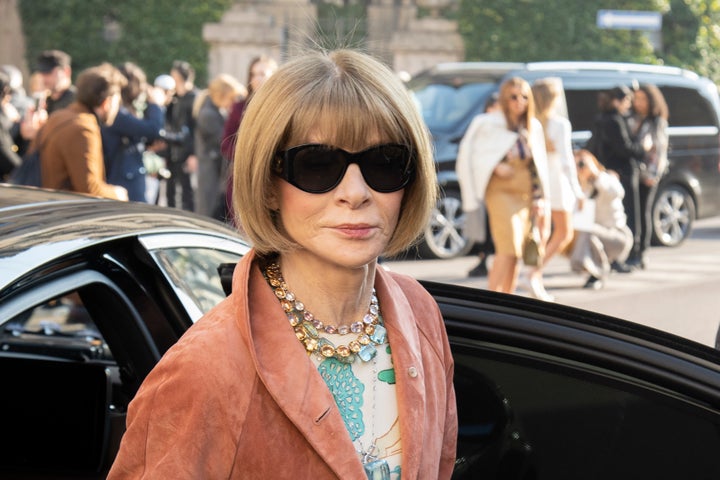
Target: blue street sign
629 20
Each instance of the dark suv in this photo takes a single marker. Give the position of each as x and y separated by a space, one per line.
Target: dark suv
451 94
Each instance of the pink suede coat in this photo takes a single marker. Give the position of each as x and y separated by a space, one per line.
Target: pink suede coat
238 397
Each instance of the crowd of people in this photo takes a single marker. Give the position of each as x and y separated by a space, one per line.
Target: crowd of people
113 133
516 165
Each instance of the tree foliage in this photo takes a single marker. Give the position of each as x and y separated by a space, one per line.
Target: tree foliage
154 33
151 33
533 30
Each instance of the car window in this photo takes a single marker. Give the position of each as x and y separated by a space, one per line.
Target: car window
582 108
194 275
688 108
59 327
541 417
443 106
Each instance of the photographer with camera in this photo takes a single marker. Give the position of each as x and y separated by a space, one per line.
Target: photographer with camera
138 124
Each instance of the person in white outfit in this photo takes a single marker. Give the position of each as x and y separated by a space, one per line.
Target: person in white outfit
502 160
609 239
564 189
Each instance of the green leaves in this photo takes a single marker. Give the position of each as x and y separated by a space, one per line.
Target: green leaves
149 33
533 30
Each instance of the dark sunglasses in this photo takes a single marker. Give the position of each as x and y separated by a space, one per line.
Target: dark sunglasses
316 168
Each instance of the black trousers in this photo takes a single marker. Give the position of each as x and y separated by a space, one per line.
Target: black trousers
647 198
179 177
630 181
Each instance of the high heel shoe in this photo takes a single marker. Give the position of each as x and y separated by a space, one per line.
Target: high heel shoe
537 290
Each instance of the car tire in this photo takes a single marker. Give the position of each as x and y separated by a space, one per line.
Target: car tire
673 215
443 237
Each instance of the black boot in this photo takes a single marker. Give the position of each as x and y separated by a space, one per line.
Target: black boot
621 267
594 283
480 270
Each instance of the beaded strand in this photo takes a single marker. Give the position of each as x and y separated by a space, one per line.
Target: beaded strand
308 329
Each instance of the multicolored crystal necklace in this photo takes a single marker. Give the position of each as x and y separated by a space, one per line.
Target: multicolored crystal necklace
307 328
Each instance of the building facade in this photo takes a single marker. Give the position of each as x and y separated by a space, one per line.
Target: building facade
409 35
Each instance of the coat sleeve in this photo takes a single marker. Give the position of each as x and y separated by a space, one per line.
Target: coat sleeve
85 164
662 142
183 423
128 125
619 142
483 146
464 167
567 158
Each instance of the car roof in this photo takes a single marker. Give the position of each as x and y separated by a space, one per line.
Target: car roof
37 226
505 67
600 72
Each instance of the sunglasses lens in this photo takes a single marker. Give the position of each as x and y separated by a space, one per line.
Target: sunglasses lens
317 169
320 168
385 167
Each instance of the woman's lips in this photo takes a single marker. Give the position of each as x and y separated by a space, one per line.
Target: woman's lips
355 230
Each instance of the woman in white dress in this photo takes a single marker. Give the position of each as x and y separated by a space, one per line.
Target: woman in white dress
565 192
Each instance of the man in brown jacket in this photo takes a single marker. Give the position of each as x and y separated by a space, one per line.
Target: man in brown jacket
70 143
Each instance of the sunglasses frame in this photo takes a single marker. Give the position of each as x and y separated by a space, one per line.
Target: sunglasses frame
284 167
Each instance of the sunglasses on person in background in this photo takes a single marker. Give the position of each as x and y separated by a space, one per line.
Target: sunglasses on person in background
518 97
317 168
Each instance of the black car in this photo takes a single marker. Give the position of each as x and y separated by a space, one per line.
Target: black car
93 292
451 94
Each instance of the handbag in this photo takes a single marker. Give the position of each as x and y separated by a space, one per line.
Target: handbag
28 172
532 253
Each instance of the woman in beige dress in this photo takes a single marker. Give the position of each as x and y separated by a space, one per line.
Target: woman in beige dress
502 159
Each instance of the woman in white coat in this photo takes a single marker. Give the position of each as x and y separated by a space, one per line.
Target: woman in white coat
502 159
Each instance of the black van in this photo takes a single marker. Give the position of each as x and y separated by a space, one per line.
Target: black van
451 94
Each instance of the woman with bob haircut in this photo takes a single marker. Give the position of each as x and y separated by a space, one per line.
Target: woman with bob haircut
319 364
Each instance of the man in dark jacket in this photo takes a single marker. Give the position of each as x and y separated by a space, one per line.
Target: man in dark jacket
54 66
180 128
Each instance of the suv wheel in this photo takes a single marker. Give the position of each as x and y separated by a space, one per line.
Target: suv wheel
672 216
443 237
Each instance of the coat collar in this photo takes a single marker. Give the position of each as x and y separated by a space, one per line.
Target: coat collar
292 380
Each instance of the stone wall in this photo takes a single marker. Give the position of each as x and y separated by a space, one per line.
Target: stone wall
279 28
12 42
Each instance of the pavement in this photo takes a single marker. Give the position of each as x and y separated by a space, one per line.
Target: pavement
678 292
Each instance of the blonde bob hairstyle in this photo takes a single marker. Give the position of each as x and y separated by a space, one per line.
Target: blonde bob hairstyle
350 98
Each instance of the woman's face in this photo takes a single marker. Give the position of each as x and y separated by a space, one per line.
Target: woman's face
349 226
227 101
623 105
259 73
517 102
640 103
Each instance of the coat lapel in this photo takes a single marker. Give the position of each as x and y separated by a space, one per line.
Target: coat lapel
409 374
290 377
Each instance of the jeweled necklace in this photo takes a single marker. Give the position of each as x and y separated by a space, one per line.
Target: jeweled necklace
307 328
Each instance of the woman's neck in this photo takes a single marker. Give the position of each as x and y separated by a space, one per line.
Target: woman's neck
334 294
